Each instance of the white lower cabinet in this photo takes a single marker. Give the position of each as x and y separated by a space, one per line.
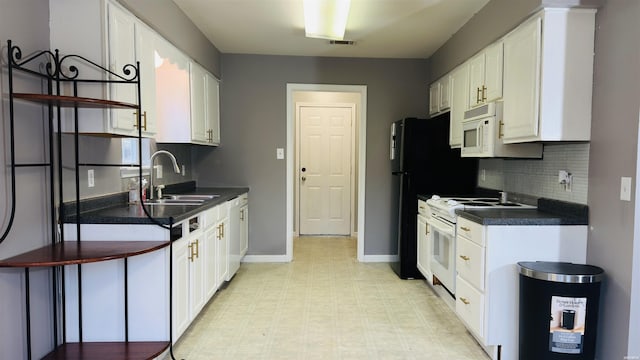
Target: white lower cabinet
238 233
423 245
487 281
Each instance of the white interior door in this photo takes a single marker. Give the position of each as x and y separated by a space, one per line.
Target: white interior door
325 170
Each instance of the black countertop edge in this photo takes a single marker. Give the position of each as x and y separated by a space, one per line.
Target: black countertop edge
120 212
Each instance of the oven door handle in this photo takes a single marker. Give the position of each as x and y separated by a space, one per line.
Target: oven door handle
440 226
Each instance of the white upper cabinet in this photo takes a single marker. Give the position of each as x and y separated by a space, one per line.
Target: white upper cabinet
440 95
459 103
205 116
107 34
548 77
485 75
129 41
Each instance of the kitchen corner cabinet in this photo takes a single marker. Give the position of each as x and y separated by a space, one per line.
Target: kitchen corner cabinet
459 103
485 75
548 77
440 95
487 279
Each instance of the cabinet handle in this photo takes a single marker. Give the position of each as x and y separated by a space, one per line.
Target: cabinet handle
465 228
190 252
500 129
465 258
242 214
478 92
136 122
210 135
222 229
197 255
465 301
484 93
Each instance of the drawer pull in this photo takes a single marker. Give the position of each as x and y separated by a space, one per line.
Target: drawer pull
465 228
465 301
465 258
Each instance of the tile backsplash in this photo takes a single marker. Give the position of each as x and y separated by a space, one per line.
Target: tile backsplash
539 177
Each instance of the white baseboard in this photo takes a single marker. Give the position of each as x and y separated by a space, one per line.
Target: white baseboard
266 259
379 258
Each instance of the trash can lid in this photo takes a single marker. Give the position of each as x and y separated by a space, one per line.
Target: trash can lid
561 271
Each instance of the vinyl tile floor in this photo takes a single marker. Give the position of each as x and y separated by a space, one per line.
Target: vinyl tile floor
326 305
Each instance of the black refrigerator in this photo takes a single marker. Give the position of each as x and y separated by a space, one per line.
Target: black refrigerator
422 163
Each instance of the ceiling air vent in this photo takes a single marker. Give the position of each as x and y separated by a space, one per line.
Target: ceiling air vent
341 42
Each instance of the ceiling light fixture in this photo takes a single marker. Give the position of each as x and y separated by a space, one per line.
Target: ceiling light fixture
326 19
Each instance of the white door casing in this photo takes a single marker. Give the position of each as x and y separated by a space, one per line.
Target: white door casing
324 173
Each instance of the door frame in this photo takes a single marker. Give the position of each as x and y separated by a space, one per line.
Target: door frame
352 161
361 156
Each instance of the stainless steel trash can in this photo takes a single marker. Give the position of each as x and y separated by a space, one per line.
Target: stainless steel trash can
558 310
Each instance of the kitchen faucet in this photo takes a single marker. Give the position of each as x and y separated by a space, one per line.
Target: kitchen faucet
153 156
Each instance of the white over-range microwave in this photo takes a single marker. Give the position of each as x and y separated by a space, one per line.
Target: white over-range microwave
482 135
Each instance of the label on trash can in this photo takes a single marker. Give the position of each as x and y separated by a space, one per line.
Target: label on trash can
566 327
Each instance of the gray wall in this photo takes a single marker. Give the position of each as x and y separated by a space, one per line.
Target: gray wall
165 17
614 138
253 112
31 228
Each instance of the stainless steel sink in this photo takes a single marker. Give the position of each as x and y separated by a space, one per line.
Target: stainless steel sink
189 197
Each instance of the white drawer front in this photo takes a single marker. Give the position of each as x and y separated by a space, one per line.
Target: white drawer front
470 307
470 230
470 262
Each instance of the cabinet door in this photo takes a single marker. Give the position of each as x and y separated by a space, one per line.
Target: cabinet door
212 109
210 281
198 105
222 250
434 98
196 276
121 35
180 275
522 82
145 51
445 93
493 72
244 230
476 79
424 248
459 103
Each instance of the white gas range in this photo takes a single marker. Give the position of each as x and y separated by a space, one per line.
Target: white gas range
442 223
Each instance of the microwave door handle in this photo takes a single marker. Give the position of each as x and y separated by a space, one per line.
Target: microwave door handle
480 135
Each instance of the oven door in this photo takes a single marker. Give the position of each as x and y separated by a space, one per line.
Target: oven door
443 250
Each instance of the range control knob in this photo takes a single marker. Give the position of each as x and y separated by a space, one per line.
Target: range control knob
451 202
435 197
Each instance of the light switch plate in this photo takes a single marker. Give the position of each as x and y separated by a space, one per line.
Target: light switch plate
279 153
625 188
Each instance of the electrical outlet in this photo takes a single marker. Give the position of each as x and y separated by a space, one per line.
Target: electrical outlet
625 188
158 171
91 181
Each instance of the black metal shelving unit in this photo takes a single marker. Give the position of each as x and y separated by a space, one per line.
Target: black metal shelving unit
56 74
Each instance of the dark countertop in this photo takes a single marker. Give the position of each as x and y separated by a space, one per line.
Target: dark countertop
113 210
549 212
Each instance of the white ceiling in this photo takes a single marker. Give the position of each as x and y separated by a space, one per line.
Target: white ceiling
380 28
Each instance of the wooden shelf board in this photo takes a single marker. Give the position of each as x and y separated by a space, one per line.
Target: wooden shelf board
72 101
108 351
72 252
